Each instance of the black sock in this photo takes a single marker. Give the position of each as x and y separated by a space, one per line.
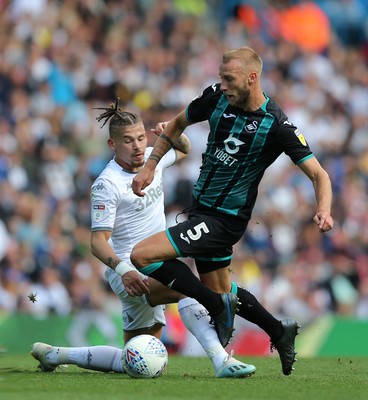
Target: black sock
178 276
251 310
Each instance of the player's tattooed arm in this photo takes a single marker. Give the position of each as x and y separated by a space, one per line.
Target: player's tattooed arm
183 144
172 137
162 146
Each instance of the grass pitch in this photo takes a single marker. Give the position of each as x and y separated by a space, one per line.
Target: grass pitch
189 378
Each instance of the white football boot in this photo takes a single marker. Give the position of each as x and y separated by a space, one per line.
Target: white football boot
41 352
232 368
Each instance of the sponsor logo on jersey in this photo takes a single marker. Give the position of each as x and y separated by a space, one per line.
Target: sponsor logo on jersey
99 206
99 186
169 285
152 195
224 157
300 136
229 115
232 144
127 318
184 238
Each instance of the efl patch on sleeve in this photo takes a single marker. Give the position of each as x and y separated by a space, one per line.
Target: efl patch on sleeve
98 212
300 136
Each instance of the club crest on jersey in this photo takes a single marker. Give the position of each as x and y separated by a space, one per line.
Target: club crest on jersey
252 127
300 136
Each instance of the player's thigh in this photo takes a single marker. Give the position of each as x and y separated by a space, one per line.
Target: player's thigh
153 249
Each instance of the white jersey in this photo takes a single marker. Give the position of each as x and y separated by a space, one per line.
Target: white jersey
115 208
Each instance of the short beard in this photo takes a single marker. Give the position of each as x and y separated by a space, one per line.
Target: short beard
243 99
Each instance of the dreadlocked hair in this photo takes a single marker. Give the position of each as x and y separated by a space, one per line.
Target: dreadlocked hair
119 118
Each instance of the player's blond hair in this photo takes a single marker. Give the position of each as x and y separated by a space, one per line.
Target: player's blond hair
248 57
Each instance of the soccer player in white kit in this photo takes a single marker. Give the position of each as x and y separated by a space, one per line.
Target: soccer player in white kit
119 220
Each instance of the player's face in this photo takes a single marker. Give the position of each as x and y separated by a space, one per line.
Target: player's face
129 147
234 83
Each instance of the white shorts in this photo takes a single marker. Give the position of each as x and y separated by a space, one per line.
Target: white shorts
136 311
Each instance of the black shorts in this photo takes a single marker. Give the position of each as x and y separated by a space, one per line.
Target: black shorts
207 237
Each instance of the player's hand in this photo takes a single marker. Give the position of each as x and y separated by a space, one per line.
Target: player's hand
142 180
160 127
134 284
324 221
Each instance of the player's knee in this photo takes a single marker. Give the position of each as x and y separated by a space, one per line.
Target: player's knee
138 258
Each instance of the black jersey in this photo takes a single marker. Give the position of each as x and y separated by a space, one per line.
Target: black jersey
240 147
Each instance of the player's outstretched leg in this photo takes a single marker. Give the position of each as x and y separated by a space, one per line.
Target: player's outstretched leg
286 345
96 358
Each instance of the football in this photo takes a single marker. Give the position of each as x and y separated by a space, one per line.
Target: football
144 356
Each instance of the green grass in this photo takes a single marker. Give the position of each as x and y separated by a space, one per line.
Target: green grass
189 378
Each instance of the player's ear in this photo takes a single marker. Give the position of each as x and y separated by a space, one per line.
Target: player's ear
252 77
111 144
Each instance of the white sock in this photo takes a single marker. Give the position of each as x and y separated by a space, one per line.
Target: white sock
97 358
196 319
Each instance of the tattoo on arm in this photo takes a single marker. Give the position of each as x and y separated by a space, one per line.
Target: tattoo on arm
162 146
165 137
155 157
112 263
183 144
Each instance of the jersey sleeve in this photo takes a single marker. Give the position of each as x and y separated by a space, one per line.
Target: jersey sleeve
104 202
200 108
169 158
293 142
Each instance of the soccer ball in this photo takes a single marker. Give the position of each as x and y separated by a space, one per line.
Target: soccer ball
144 356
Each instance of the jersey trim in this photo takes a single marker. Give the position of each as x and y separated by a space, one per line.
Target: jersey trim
150 268
186 115
213 258
102 228
304 159
173 243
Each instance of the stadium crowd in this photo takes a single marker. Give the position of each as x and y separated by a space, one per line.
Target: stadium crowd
61 59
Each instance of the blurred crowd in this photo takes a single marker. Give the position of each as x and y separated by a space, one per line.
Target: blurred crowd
61 59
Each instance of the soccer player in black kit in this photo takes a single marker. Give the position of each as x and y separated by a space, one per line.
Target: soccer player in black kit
248 132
